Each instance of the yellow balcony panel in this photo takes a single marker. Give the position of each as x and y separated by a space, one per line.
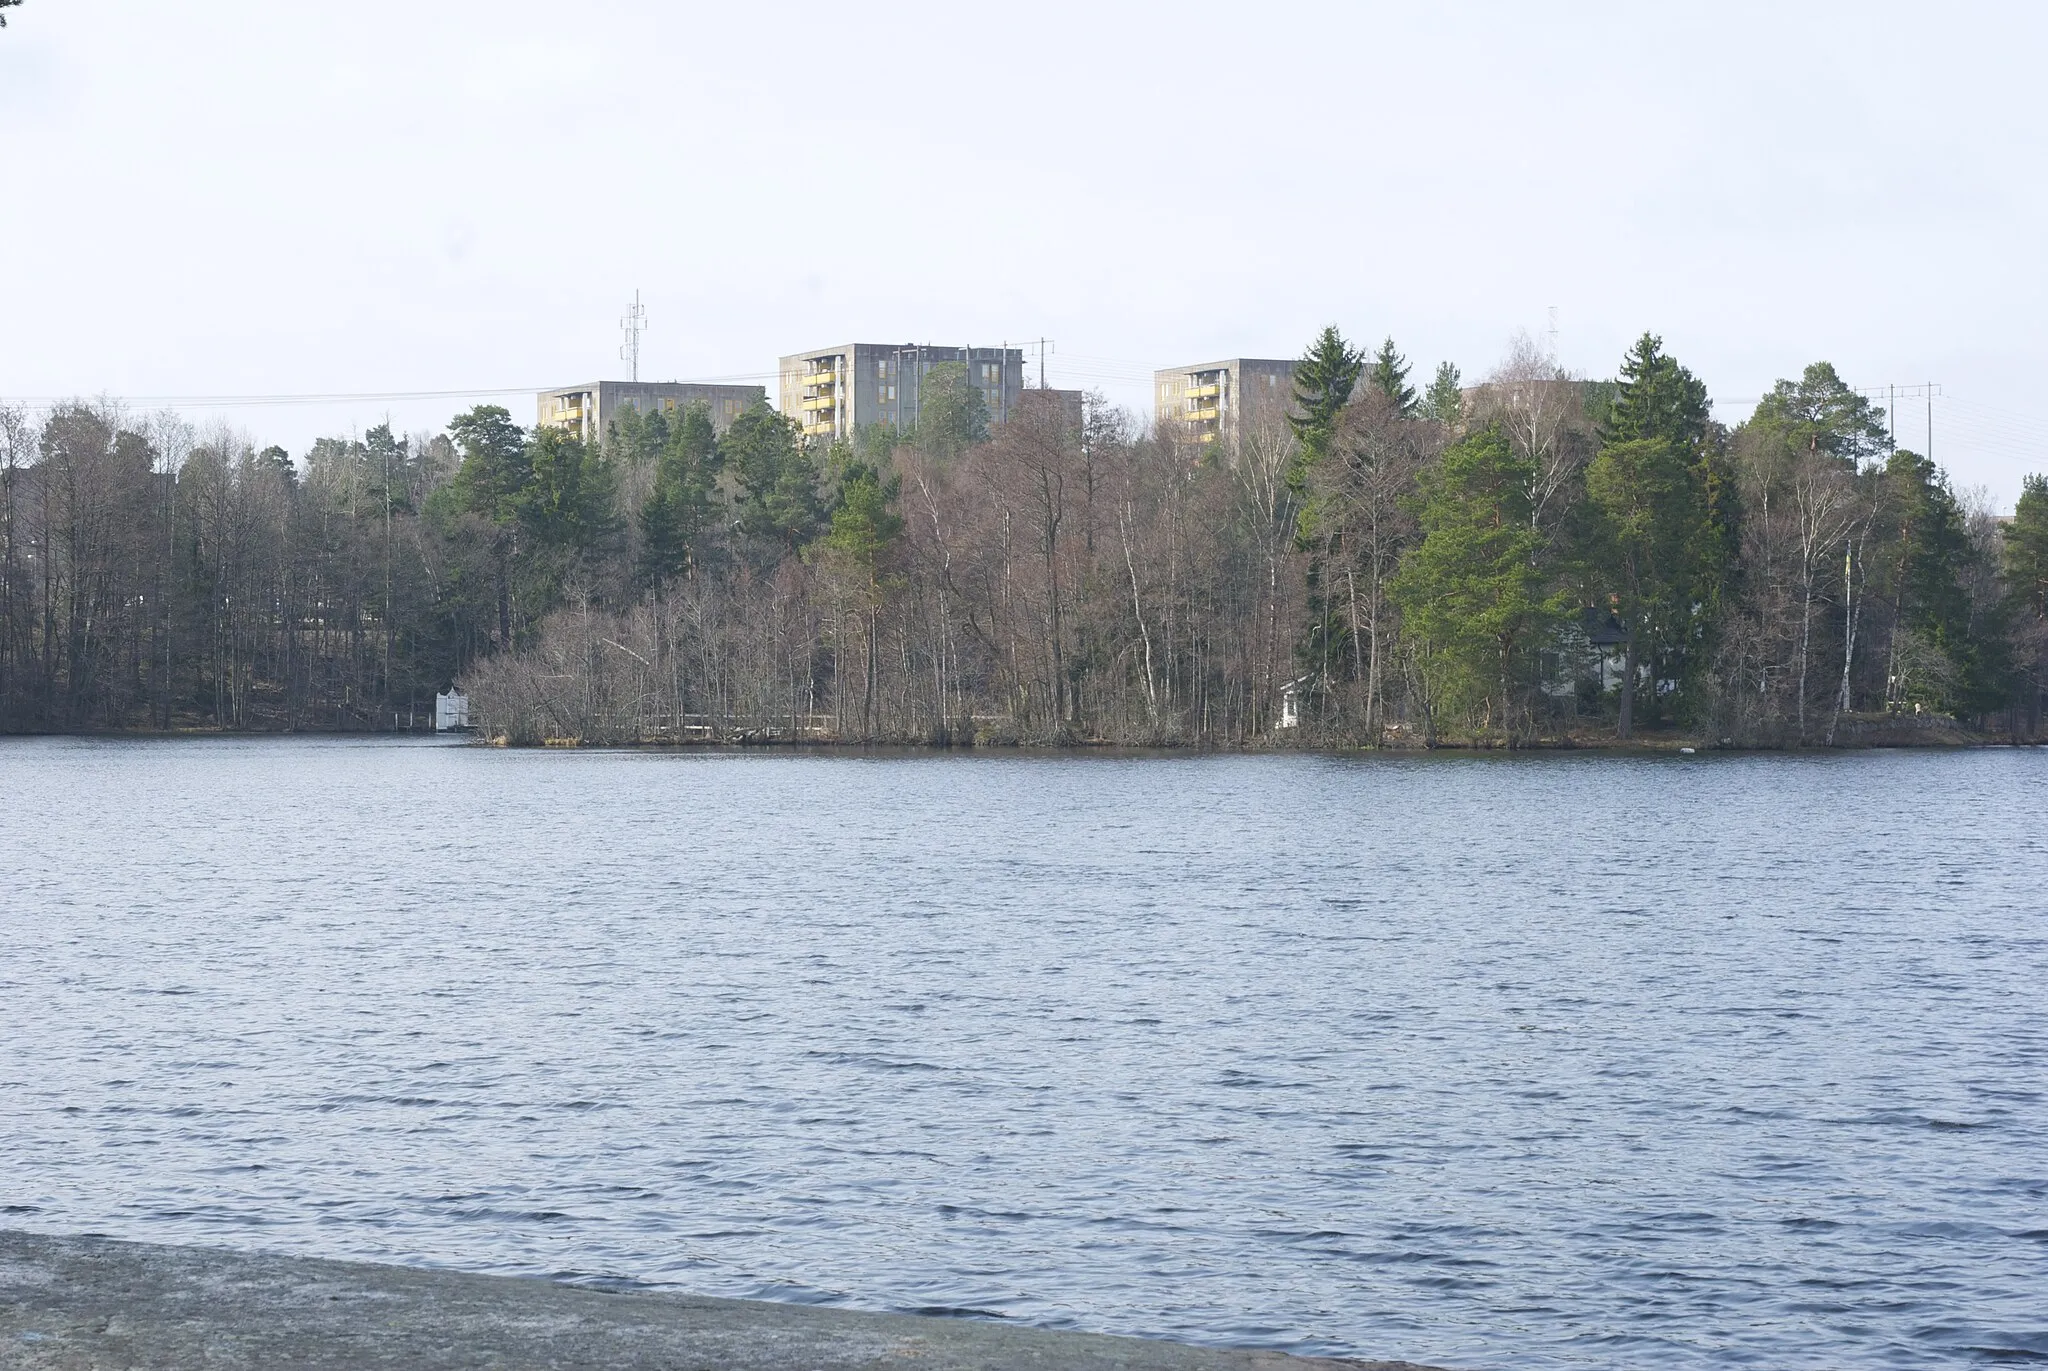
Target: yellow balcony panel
1207 392
818 430
1199 415
817 402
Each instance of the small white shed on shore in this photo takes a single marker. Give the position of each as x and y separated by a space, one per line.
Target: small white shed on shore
451 711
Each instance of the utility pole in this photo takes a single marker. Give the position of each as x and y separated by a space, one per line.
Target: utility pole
634 322
1891 395
1043 384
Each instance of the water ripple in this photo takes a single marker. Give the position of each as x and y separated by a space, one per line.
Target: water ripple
1560 1062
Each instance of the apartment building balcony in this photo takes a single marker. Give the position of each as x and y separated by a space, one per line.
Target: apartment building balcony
1208 392
817 402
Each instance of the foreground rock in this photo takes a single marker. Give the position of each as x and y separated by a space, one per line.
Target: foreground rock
67 1304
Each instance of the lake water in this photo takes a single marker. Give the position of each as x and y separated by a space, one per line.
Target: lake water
1563 1061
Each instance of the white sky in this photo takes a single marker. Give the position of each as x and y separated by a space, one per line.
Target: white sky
255 198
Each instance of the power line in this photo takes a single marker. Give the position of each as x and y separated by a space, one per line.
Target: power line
342 397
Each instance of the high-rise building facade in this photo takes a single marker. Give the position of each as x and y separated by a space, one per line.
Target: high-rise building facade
1213 401
587 410
835 392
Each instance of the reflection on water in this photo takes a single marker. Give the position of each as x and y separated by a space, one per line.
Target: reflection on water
1564 1061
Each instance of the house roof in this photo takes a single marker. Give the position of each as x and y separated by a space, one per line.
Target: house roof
1601 627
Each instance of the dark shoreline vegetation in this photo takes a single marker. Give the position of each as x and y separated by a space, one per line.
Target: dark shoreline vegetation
1539 560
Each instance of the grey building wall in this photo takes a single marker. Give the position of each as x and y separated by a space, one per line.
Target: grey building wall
834 392
587 409
1213 401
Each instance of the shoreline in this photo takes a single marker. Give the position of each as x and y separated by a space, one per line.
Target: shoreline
88 1303
1913 733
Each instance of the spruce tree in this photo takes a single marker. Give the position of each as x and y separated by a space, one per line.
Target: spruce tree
567 502
1389 377
1323 381
1657 399
1444 401
1934 555
1664 531
1649 505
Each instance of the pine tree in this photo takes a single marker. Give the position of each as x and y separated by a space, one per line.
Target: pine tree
1471 592
952 416
863 533
682 503
2026 548
778 482
495 462
2026 582
865 527
1819 413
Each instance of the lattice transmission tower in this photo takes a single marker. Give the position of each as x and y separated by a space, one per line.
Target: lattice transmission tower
634 322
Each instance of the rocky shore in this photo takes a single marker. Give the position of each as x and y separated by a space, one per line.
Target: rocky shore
92 1304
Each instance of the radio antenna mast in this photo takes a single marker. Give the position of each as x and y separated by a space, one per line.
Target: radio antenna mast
634 322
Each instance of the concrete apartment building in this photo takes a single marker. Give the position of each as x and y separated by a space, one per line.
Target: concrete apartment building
585 410
835 392
1211 401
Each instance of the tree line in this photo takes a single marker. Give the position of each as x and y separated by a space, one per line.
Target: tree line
1533 558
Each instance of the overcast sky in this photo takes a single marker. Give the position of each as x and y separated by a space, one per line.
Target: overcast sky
254 198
